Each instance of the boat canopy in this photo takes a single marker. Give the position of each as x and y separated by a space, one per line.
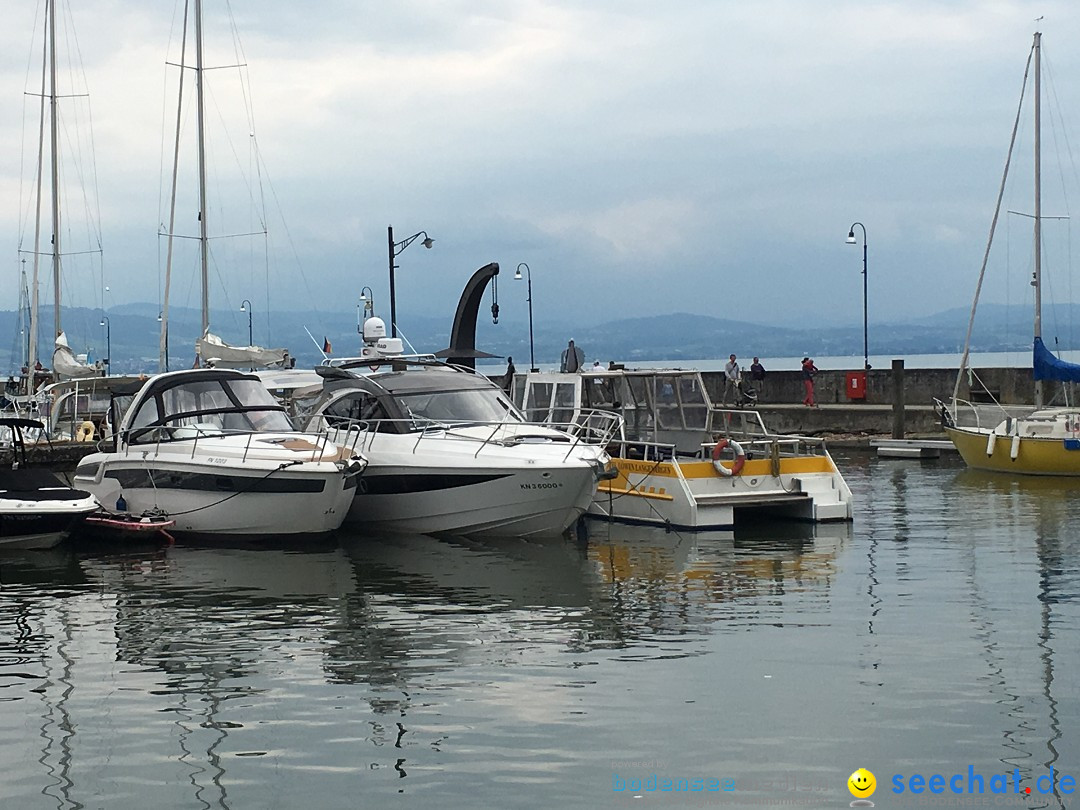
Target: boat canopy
1048 367
408 400
210 399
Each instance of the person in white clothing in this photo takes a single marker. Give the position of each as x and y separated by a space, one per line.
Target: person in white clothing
731 380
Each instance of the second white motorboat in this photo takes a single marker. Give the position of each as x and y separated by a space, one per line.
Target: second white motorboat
449 453
212 450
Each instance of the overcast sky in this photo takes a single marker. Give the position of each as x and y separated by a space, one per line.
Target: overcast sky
640 157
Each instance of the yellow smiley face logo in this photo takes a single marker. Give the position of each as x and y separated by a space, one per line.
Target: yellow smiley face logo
862 784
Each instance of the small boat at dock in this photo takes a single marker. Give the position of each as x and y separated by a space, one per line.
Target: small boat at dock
37 509
109 526
681 461
212 450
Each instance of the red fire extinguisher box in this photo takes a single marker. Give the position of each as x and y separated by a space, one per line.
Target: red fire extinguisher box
856 385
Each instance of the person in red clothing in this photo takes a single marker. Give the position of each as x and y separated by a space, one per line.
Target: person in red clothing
808 372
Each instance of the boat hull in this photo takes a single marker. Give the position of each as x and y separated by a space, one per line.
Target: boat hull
21 528
479 502
234 503
1033 456
693 495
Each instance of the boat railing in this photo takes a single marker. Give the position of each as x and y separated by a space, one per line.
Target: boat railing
767 446
984 415
743 421
169 435
363 434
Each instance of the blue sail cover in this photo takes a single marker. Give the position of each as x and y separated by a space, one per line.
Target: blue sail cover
1048 367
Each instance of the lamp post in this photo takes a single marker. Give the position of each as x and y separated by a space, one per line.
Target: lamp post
245 306
851 241
394 249
108 342
517 277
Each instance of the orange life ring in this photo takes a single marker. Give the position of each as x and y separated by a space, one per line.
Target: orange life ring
740 457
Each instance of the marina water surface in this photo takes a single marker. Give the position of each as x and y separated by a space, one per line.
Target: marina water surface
936 636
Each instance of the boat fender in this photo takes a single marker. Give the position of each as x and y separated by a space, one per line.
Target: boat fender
990 443
85 433
740 457
1014 451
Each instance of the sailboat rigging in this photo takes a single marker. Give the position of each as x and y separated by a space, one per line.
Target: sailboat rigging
210 349
65 362
1025 440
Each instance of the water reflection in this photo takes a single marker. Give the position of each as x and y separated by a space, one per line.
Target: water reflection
1026 510
943 619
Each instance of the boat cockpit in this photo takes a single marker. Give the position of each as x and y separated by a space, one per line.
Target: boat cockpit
410 399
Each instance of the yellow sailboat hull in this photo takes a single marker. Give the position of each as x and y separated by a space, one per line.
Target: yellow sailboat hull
1034 455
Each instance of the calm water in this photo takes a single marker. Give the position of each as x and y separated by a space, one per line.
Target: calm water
936 633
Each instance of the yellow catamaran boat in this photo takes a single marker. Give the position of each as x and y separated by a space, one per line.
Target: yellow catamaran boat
683 462
1034 440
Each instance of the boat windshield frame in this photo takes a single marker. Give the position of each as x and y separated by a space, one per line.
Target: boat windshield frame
223 402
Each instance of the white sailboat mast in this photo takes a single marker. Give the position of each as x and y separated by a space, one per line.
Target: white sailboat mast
163 338
203 243
1037 281
32 350
54 139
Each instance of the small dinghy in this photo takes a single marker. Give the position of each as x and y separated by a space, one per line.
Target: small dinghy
129 527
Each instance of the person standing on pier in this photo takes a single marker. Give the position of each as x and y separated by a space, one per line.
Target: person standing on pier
808 372
508 377
757 375
572 358
731 380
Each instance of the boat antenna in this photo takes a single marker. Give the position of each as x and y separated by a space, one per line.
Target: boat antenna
993 228
318 345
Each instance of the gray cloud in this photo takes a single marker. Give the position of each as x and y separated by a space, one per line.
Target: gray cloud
641 157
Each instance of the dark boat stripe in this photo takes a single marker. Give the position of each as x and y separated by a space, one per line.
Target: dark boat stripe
27 524
420 482
209 482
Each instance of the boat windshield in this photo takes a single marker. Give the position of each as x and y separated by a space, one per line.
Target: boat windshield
474 405
206 407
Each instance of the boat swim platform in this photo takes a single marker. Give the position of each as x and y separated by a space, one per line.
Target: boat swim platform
912 448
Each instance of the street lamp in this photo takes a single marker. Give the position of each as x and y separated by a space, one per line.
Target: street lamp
517 277
108 341
367 300
245 306
395 249
851 241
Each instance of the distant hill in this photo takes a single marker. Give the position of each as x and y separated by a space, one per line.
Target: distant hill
134 335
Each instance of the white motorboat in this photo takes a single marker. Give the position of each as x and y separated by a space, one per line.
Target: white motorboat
682 462
212 450
37 509
450 454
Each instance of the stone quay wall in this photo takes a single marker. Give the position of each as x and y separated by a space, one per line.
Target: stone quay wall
1010 386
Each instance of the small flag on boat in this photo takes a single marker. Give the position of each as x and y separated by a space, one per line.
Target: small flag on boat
326 347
